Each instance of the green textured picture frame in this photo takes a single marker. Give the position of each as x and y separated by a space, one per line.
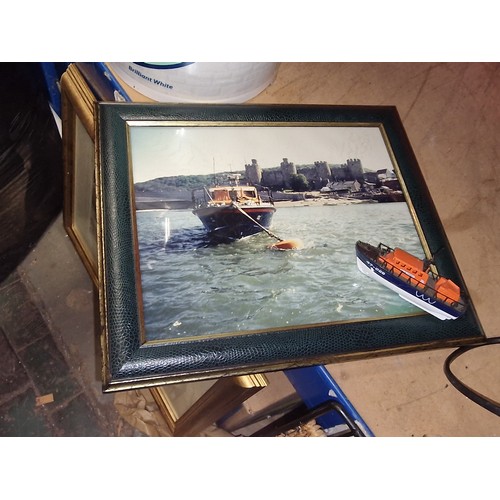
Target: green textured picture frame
130 361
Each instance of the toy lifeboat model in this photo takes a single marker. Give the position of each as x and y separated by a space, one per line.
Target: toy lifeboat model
412 279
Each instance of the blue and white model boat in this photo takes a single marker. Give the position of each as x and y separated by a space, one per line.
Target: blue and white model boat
412 279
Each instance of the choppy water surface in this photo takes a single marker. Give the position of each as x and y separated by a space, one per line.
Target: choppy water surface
193 288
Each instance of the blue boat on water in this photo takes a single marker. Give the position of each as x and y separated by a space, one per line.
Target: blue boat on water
232 212
412 279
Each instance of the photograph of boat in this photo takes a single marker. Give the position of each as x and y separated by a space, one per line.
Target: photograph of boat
412 279
231 212
236 235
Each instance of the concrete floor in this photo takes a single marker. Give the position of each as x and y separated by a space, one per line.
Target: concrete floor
48 304
48 348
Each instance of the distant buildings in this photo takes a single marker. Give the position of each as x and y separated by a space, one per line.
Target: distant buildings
343 180
349 177
342 188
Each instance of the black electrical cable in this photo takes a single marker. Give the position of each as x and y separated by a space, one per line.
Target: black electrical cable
478 398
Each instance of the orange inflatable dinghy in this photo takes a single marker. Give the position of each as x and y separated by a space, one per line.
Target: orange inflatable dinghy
287 245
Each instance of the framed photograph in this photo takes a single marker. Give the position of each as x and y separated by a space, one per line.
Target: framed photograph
191 407
241 239
78 133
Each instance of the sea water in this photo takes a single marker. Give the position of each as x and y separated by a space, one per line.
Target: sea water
192 288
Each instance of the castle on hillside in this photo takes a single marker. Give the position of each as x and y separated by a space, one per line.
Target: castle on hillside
318 175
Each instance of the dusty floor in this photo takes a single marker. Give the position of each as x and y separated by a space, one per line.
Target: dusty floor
48 349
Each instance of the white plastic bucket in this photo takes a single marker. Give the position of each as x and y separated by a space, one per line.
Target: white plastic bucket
209 82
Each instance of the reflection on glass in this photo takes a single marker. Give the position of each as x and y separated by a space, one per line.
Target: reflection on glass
327 185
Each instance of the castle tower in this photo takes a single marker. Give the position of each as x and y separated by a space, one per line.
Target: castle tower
323 172
288 169
253 173
355 169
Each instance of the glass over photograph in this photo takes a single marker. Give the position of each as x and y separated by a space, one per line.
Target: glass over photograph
251 228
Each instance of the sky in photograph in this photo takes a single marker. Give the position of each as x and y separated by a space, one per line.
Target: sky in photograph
163 151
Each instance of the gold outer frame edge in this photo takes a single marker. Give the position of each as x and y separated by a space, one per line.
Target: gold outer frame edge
77 103
225 395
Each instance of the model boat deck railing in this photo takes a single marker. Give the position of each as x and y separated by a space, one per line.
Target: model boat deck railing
416 273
